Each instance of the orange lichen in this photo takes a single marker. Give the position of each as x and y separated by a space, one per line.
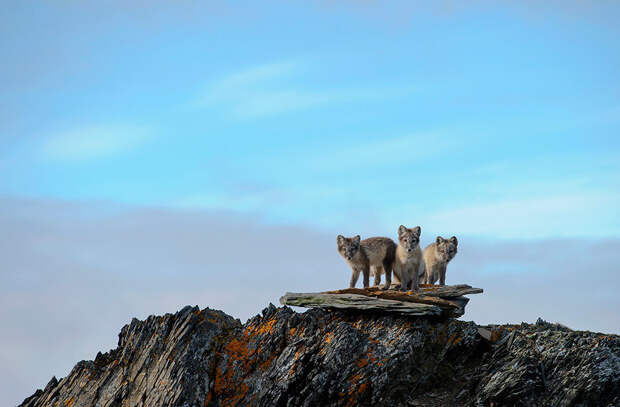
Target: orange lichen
496 334
355 395
441 335
237 349
454 339
221 380
240 395
267 363
70 402
265 328
238 361
208 399
171 355
361 363
371 357
356 390
355 378
329 337
295 359
292 331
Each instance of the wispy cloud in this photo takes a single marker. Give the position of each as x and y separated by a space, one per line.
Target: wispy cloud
243 86
274 102
258 75
93 142
398 150
281 87
242 202
533 217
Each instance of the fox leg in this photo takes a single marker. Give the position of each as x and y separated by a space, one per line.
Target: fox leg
388 275
404 279
442 276
366 276
378 270
412 279
428 276
415 284
418 273
355 274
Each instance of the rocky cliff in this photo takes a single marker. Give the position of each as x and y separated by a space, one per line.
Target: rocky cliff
341 358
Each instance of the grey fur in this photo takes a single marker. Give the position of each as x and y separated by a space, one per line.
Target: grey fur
375 252
409 261
437 255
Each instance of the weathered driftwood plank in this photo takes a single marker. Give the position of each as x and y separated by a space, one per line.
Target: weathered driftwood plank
449 291
356 301
408 296
430 300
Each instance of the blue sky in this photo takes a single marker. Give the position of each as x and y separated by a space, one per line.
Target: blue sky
155 154
481 120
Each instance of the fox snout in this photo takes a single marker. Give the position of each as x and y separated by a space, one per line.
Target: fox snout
349 254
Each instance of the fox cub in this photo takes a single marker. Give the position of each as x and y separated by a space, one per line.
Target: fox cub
437 255
409 262
375 252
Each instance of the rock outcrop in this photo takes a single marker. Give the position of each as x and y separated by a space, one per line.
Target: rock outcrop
431 300
341 358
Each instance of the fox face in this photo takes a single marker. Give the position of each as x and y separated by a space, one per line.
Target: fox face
348 246
409 239
446 248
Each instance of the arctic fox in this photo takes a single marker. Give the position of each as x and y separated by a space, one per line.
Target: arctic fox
375 252
437 255
409 262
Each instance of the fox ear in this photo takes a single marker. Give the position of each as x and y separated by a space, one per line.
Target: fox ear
439 240
453 240
402 230
417 230
340 240
356 239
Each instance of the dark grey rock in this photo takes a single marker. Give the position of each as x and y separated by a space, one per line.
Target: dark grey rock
341 358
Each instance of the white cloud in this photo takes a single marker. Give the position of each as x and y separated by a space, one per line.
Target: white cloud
258 74
93 142
396 150
237 86
535 217
281 87
276 102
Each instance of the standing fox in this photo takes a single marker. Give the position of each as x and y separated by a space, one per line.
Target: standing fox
436 256
409 262
374 252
